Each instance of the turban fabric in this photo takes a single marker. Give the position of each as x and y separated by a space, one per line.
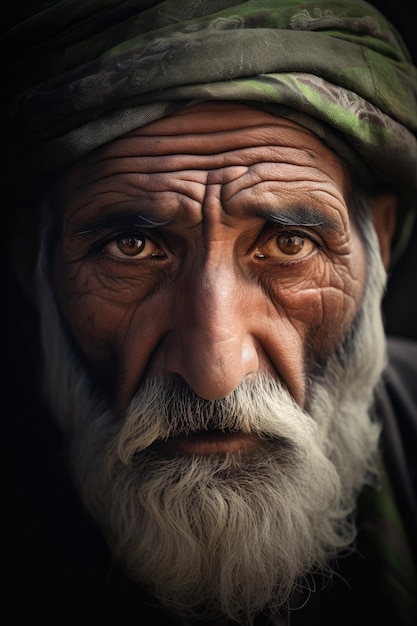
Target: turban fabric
83 72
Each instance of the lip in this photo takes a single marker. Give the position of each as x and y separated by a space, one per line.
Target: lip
212 442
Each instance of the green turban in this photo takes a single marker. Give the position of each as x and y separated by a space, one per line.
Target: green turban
83 72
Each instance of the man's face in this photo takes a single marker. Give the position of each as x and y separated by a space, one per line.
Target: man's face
220 309
215 244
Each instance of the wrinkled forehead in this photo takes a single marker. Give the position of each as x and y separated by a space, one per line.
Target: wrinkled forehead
208 137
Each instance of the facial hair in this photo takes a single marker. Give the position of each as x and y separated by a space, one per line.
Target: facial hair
225 535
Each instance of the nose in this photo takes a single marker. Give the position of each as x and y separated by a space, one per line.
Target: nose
211 346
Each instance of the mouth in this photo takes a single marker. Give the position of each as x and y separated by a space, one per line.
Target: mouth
210 442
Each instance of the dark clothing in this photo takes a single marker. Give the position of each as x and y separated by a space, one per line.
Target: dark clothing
397 406
59 570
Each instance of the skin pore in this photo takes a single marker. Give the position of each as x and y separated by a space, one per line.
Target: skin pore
214 244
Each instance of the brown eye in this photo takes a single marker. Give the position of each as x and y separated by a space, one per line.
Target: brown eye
285 245
290 244
133 247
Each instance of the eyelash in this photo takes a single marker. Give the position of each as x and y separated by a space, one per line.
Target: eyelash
100 245
269 233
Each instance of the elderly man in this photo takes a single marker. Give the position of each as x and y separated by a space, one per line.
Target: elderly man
219 186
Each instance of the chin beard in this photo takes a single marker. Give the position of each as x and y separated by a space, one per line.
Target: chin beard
227 535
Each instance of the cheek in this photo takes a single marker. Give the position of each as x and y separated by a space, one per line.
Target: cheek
323 302
98 307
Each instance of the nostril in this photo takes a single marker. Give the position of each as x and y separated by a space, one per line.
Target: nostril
215 368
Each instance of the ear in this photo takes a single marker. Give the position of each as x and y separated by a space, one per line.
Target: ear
384 207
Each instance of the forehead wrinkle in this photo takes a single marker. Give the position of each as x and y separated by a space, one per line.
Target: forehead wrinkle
134 186
252 188
262 161
259 130
176 160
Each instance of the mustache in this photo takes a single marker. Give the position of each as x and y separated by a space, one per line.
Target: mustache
167 407
187 413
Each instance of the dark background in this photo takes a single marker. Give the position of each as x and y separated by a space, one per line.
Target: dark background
400 303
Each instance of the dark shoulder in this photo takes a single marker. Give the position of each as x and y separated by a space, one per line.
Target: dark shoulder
396 407
397 398
401 372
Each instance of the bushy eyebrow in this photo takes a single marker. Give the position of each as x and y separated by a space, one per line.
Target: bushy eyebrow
300 215
118 220
306 217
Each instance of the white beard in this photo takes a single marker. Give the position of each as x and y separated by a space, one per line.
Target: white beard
228 535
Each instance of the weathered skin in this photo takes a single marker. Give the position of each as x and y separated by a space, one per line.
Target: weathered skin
219 291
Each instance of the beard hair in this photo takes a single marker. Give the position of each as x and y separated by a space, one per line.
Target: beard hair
226 535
